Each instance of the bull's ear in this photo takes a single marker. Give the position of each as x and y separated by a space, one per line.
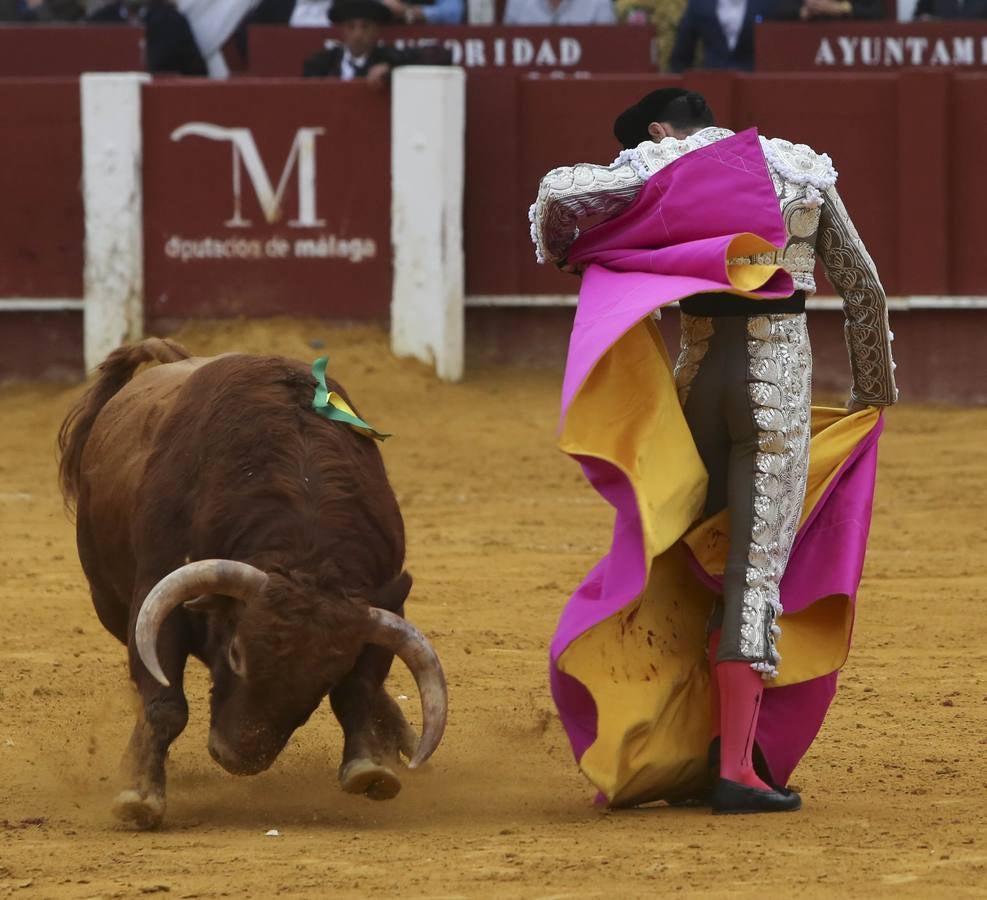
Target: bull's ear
210 603
393 594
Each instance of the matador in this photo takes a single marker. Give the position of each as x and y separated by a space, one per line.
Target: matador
731 226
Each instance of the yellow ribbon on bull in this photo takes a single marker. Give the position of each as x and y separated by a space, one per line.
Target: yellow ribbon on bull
332 406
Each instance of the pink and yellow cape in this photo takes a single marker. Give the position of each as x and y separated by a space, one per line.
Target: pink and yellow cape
628 665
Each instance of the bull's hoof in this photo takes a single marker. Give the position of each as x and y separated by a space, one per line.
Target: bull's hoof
146 813
364 776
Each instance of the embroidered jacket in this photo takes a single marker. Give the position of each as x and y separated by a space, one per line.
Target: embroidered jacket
815 219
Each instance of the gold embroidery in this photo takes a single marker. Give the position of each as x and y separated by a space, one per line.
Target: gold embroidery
694 340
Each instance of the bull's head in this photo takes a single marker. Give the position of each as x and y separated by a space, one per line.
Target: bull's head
279 648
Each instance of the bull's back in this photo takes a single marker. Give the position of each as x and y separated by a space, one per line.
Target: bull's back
266 479
126 430
114 459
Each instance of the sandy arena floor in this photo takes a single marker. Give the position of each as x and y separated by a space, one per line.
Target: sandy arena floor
501 527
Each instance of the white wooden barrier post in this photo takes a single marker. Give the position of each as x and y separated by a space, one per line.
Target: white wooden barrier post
112 157
428 122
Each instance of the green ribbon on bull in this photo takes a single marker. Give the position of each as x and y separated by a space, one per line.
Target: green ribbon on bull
331 406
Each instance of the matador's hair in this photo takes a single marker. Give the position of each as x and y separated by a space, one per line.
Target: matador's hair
678 107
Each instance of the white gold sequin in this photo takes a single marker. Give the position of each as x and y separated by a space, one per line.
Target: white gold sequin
780 372
868 334
570 193
694 340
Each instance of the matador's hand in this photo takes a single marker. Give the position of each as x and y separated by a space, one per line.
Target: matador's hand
572 268
377 75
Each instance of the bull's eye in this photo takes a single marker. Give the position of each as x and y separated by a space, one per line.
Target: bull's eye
235 655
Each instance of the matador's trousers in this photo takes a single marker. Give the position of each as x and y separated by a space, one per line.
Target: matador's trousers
744 384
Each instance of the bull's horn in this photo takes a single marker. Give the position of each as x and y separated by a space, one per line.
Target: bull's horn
207 576
413 649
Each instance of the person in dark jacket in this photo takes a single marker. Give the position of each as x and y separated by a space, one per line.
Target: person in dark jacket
361 55
931 10
171 46
725 28
43 10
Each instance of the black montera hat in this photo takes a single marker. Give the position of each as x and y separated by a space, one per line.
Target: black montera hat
347 10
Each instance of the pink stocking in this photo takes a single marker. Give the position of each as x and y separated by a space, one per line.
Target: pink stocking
741 689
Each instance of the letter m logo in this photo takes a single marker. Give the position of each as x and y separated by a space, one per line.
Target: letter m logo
247 158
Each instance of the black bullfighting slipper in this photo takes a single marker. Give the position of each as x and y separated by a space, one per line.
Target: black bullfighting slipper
731 798
760 766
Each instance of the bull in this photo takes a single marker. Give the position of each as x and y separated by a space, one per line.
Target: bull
219 516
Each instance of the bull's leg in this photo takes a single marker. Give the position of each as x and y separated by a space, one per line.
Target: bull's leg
397 738
161 717
374 730
112 609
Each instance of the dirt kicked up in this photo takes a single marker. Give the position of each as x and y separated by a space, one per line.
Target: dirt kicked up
500 528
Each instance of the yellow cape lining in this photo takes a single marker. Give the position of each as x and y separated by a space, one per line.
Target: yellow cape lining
645 666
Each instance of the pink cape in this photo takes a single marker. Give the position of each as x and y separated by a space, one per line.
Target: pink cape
672 243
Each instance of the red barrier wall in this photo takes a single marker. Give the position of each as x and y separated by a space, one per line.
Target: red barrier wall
278 50
925 240
855 121
41 344
310 232
67 50
938 352
916 194
966 136
41 217
215 154
540 124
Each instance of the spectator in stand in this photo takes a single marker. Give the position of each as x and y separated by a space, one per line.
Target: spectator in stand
171 46
559 12
274 12
310 12
314 12
663 15
725 28
931 10
828 10
426 12
361 55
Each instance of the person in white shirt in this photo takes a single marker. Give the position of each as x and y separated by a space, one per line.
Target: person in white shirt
310 13
213 23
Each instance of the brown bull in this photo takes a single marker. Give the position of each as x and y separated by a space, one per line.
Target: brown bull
219 516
